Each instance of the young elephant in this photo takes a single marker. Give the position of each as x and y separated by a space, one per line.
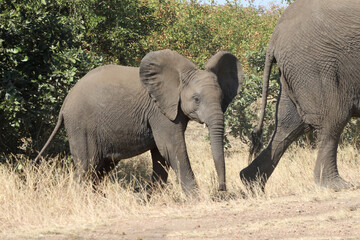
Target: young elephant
114 113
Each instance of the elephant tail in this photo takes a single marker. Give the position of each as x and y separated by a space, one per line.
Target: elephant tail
54 132
257 132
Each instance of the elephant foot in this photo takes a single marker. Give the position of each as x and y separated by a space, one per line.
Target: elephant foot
337 184
222 187
253 180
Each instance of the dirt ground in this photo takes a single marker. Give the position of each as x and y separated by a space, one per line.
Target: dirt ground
334 215
322 214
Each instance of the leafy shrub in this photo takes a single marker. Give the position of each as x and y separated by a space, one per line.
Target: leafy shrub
41 58
117 29
46 46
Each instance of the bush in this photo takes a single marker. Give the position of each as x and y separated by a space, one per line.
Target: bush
117 29
45 46
41 58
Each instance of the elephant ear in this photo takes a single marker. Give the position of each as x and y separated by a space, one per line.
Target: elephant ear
229 72
160 74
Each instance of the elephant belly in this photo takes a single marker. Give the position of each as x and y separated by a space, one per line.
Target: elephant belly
123 142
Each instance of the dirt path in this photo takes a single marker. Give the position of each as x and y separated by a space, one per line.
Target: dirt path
334 215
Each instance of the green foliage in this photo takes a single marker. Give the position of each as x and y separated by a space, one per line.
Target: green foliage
351 133
116 29
46 46
41 58
189 30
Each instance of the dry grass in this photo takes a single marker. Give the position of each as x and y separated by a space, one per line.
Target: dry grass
46 200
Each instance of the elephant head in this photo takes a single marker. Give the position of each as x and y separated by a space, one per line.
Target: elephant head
176 84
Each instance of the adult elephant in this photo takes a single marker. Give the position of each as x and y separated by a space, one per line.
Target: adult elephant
116 112
316 44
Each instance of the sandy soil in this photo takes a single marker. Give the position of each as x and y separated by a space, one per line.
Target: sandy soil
323 214
334 215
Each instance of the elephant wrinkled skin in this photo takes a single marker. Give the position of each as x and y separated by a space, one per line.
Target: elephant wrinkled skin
116 112
316 45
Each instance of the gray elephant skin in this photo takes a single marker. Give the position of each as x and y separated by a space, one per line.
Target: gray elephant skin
117 112
316 45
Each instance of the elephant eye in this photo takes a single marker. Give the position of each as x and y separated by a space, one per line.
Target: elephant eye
196 99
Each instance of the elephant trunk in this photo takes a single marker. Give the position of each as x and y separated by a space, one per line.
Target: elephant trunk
216 130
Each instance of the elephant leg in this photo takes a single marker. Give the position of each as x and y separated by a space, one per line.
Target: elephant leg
102 169
326 172
170 141
289 126
81 166
85 157
175 152
160 168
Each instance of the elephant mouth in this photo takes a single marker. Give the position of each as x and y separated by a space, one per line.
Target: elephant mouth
205 125
196 119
